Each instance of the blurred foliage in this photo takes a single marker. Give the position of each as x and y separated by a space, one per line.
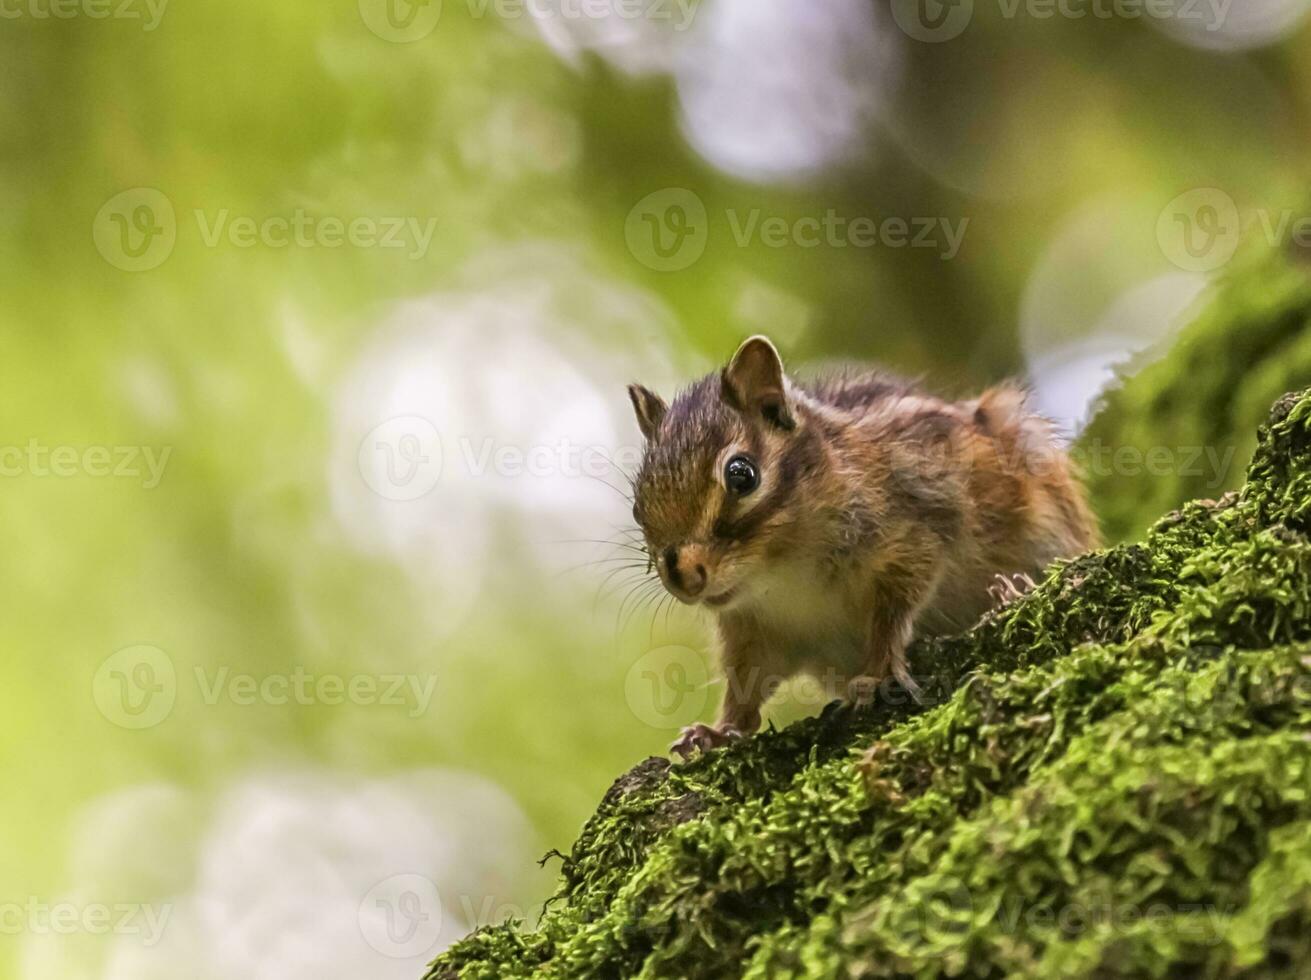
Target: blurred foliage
1197 404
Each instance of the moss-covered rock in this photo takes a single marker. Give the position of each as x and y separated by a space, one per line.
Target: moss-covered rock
1184 426
1116 781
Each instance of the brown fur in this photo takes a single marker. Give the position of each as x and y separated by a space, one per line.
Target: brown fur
882 511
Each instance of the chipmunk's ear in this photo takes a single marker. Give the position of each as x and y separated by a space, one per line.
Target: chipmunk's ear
754 384
649 407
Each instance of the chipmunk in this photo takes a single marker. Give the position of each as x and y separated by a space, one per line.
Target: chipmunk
827 523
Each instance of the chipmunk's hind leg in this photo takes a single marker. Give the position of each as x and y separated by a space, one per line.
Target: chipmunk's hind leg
897 606
887 658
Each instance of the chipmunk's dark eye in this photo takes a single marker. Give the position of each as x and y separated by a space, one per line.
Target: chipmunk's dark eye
741 475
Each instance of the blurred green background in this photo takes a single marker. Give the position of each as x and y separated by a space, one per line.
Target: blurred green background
317 322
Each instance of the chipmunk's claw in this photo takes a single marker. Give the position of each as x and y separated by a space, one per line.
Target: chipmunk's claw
1005 589
862 692
703 738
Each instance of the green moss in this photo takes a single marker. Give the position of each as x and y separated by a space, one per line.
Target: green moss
1115 781
1199 406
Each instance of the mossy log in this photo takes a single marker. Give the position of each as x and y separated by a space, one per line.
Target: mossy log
1116 781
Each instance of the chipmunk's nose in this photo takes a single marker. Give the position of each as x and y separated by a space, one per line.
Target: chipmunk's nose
686 569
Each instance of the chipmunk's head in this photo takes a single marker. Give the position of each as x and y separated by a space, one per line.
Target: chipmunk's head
719 488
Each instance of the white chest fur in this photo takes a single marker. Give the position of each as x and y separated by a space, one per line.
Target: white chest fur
813 621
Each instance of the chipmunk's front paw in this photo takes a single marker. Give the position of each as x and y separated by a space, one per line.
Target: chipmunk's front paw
703 738
863 691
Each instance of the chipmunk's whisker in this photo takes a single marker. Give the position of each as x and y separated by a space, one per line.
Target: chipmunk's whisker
643 599
622 565
628 497
636 577
634 550
631 561
613 465
639 593
605 541
630 577
666 604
